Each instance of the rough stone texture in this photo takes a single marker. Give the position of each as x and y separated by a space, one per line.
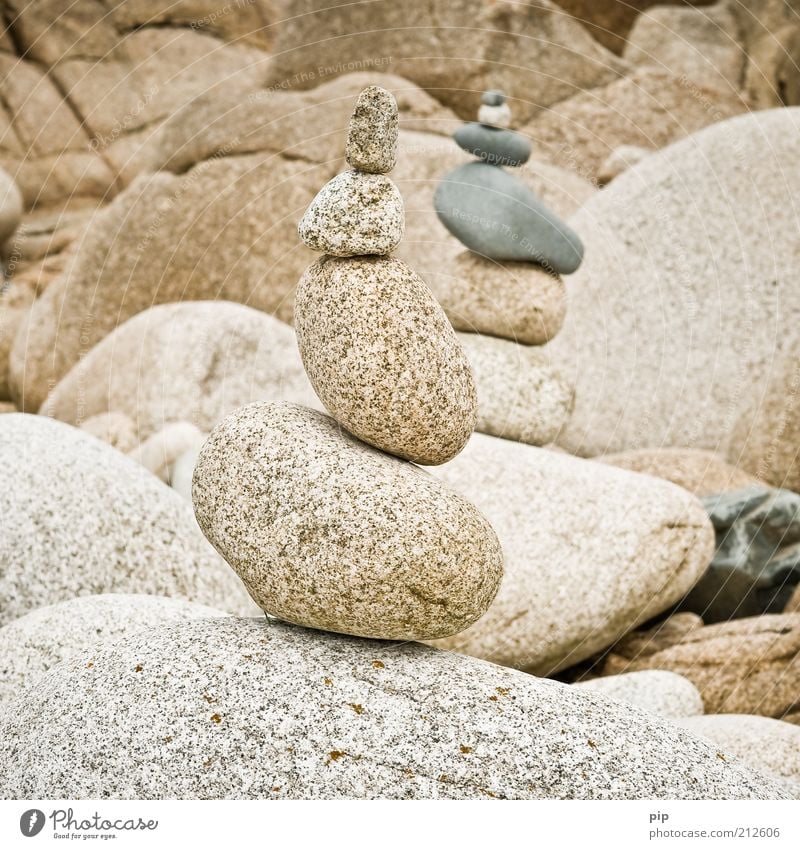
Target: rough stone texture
666 336
765 438
193 362
619 160
495 147
650 108
159 451
329 533
512 300
757 562
383 358
701 472
610 21
78 518
655 690
744 666
372 135
520 395
589 551
490 212
10 206
11 319
701 45
117 429
456 49
30 645
354 214
190 710
768 745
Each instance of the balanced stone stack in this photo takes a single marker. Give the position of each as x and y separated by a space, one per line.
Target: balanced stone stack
507 285
329 527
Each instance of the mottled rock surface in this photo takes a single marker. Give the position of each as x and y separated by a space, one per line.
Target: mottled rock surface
579 571
354 214
520 395
372 135
78 518
664 693
191 710
115 428
383 358
32 644
329 533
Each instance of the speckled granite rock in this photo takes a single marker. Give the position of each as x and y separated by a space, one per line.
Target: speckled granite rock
655 690
701 472
744 666
193 361
520 395
372 134
768 745
115 428
492 213
757 562
190 710
30 645
383 357
514 300
329 533
354 214
79 518
580 570
159 451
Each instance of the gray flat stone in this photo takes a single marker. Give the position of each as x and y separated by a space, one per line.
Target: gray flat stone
493 214
246 709
493 146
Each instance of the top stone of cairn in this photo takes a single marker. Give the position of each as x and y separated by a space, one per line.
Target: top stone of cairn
372 135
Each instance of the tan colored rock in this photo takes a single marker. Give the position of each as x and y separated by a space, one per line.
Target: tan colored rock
768 745
354 214
160 450
701 472
115 428
11 319
227 254
793 606
513 300
193 362
589 551
653 332
656 690
383 358
10 206
619 160
765 439
372 135
743 666
487 44
651 108
701 45
329 533
520 395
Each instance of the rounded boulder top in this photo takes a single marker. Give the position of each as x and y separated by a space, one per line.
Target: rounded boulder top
373 132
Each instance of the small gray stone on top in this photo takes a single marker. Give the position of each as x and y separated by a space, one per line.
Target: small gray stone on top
372 136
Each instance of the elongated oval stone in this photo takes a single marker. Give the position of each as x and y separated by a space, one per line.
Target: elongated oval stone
496 216
493 146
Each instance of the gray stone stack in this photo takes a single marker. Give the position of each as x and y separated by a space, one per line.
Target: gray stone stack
334 530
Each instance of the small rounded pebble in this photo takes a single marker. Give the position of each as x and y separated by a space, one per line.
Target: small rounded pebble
495 116
372 135
493 97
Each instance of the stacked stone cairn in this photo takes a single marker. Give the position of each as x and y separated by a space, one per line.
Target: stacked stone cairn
322 517
507 285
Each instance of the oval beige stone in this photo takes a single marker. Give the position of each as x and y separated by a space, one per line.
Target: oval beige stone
328 533
384 359
514 300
